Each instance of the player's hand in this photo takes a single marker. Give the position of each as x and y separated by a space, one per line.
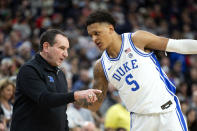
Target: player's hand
89 95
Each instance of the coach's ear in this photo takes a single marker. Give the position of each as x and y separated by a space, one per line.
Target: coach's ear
46 46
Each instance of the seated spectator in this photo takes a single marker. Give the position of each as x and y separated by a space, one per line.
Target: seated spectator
117 118
192 120
2 121
6 94
184 108
83 81
194 86
193 103
80 118
7 68
25 50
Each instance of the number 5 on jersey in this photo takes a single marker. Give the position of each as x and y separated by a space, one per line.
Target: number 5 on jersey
129 81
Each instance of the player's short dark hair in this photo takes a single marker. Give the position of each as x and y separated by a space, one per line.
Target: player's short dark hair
49 36
100 16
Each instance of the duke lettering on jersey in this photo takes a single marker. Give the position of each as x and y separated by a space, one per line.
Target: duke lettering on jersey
123 69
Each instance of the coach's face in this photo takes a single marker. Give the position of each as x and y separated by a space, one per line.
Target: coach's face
58 52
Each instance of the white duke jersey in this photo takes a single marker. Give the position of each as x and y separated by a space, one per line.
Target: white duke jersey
142 84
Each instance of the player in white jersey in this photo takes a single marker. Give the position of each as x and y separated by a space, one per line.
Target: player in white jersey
128 63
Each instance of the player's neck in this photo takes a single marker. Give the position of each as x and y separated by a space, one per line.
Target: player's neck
115 46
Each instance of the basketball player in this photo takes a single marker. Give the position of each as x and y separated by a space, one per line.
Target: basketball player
128 63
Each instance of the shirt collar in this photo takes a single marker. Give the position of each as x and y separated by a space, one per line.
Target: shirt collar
45 64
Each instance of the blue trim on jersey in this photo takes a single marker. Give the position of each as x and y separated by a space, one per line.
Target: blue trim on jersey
158 68
121 49
103 65
166 77
137 50
168 83
172 90
179 120
180 114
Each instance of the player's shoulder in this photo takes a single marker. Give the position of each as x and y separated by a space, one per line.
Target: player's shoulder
142 35
139 34
140 38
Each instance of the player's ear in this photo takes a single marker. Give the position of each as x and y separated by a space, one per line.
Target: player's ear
111 28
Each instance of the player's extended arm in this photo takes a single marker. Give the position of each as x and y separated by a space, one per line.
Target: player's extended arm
100 83
146 40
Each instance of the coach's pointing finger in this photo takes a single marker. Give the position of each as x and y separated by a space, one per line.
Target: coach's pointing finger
97 91
89 95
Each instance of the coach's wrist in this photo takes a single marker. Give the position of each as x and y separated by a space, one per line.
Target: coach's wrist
76 95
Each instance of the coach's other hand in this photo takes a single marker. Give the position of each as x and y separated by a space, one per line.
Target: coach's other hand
89 95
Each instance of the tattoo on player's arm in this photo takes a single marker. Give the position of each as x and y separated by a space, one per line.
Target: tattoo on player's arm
100 97
83 102
100 82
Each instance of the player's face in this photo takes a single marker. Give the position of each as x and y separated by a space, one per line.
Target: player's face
101 34
59 51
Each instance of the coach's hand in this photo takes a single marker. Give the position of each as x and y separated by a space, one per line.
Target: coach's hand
88 95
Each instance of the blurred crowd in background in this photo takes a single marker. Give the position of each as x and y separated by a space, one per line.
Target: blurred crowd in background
22 22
